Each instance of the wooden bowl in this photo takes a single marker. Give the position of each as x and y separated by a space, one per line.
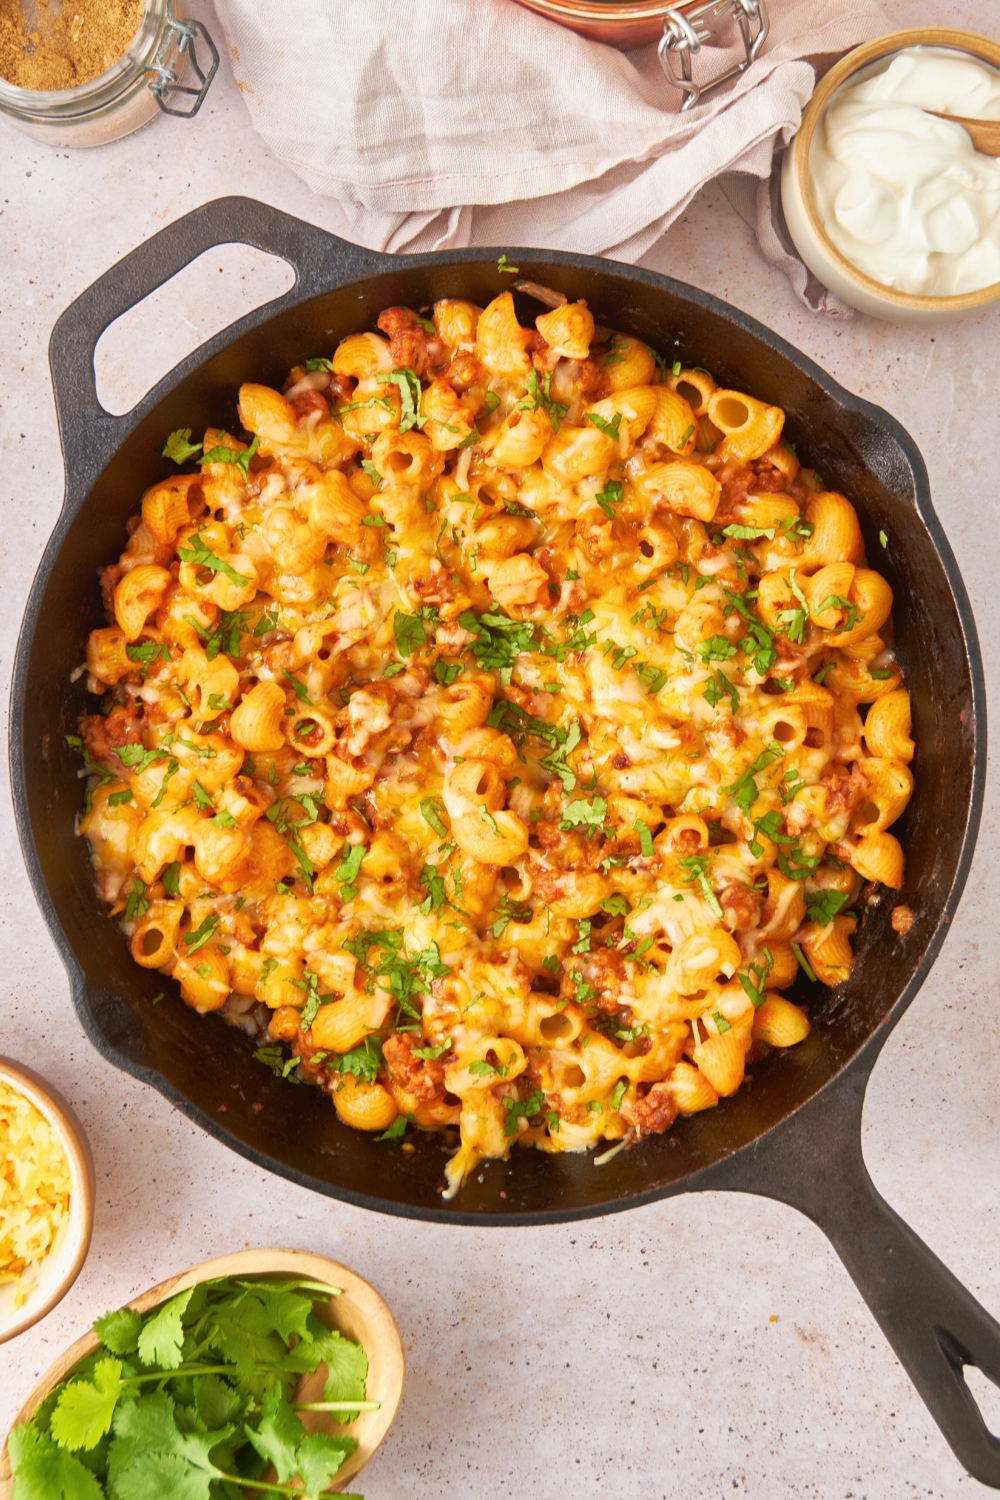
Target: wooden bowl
358 1313
49 1282
805 225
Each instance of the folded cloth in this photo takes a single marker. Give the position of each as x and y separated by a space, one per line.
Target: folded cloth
463 122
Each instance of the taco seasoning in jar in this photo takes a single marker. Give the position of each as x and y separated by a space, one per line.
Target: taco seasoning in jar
85 72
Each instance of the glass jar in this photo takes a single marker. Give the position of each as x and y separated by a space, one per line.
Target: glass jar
144 81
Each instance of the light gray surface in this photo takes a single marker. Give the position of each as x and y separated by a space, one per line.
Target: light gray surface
705 1346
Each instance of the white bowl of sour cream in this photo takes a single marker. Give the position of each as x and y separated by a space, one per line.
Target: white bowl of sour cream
890 207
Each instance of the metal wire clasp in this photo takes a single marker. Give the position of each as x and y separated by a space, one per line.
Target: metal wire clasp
684 32
181 35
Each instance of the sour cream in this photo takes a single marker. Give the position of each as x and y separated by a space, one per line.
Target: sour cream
903 195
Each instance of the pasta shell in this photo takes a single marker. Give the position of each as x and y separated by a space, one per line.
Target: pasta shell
780 1023
722 1061
137 595
258 722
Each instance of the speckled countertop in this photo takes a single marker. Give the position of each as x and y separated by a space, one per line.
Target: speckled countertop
705 1346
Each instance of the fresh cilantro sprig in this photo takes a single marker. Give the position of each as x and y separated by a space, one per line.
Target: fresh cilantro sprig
196 1398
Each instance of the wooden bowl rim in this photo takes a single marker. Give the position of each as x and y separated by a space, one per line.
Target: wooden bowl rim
970 42
59 1113
302 1263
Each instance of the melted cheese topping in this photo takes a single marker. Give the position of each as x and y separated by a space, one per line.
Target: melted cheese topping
486 729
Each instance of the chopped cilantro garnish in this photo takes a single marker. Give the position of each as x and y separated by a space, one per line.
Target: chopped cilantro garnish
200 555
823 906
610 429
178 447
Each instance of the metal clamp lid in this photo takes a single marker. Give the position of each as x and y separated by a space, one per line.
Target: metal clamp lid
181 35
684 32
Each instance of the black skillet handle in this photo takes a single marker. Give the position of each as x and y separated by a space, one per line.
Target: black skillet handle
88 433
813 1162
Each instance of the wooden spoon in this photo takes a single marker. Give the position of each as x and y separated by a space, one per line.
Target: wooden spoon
984 134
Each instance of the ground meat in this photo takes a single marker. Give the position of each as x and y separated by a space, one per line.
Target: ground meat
653 1114
463 372
422 1077
101 736
109 578
311 407
279 658
604 971
592 381
740 907
685 842
595 537
736 485
845 793
303 1048
767 479
410 346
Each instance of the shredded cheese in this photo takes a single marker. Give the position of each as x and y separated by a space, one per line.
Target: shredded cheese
34 1186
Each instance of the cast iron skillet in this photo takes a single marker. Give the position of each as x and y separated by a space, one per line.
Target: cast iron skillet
794 1134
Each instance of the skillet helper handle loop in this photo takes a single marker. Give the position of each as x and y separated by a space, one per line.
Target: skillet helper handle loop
813 1161
90 435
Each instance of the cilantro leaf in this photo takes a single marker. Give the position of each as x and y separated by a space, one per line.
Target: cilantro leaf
396 1130
346 1364
319 1457
44 1471
609 497
202 557
695 865
431 811
162 1336
823 906
716 648
410 397
719 687
279 1433
556 762
610 429
240 457
645 839
540 396
583 814
410 632
119 1331
179 448
361 1062
498 640
503 266
749 533
137 758
83 1413
201 935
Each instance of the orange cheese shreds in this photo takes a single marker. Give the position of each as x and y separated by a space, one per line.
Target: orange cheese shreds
34 1185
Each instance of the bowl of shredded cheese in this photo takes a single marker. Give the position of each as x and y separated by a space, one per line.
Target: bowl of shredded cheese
46 1198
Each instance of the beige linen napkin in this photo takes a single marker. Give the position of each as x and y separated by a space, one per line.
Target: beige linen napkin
463 122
